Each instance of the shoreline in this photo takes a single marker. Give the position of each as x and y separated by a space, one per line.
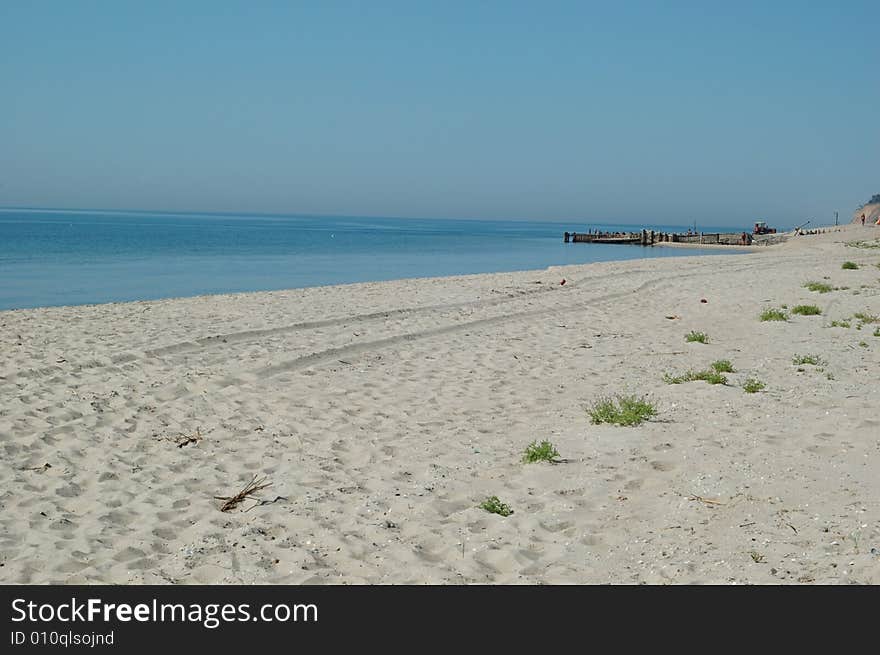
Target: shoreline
735 251
384 413
713 246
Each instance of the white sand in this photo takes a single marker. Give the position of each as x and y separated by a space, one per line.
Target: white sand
384 413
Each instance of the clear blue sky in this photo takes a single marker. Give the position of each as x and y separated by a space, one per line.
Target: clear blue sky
624 112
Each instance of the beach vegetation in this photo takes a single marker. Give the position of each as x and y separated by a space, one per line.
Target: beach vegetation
493 505
771 314
844 323
696 337
624 410
863 344
753 385
813 360
541 452
865 317
849 266
712 377
820 287
723 366
806 310
877 332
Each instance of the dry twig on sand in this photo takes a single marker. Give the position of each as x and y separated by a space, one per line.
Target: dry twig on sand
39 469
186 439
708 501
252 487
260 503
182 440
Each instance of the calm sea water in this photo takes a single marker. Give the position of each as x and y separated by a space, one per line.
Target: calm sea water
71 258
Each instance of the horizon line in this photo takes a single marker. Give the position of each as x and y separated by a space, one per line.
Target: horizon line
169 212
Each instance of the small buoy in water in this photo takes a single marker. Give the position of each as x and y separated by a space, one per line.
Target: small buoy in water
563 282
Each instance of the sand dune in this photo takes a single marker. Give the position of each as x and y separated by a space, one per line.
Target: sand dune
384 413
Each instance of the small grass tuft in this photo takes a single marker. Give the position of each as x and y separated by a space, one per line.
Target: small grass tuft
774 315
723 366
493 505
753 385
877 332
821 287
625 410
849 266
813 360
865 317
712 377
806 310
696 337
843 323
541 452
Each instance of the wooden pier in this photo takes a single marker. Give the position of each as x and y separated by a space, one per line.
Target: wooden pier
651 237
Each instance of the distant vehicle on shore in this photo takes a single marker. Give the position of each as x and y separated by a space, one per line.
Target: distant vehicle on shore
762 228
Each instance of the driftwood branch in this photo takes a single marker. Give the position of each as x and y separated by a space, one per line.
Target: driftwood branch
252 487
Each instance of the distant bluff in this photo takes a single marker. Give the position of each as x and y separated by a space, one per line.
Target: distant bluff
871 210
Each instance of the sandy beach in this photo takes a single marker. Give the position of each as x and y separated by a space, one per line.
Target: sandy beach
384 413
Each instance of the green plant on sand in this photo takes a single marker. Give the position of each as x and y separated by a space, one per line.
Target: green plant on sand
849 266
806 310
774 315
712 377
493 505
723 366
753 385
813 360
696 337
541 452
821 287
625 410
